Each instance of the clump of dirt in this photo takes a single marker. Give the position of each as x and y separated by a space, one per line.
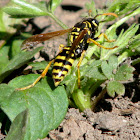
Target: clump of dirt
123 122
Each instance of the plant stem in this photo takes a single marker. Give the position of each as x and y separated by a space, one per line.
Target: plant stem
58 21
98 98
93 88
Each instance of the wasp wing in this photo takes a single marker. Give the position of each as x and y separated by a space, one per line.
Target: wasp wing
36 39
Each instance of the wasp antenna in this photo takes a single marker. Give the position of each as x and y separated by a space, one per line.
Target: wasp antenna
106 14
113 14
97 16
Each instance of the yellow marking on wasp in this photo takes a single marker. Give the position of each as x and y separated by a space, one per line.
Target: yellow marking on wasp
71 60
89 32
61 46
56 83
71 38
67 48
61 57
75 33
67 67
64 72
78 29
85 22
72 55
81 40
60 64
88 24
56 71
59 71
74 28
94 23
57 76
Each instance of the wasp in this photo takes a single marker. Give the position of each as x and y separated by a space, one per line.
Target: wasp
81 34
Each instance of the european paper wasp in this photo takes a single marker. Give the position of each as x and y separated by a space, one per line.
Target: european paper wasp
81 35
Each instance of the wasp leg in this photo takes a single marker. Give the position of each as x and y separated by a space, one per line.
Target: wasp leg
96 43
61 46
78 66
105 36
41 76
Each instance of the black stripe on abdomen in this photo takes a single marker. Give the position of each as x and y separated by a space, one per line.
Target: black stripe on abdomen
60 68
63 61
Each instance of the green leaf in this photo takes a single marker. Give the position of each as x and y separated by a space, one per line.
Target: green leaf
19 126
15 63
53 4
133 50
46 105
93 70
134 42
108 68
2 26
15 47
115 86
8 26
122 41
71 82
122 7
82 101
113 62
95 73
38 65
4 58
10 23
136 61
22 8
124 73
121 21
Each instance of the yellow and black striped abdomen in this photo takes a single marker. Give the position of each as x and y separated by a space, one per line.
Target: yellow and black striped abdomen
62 65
